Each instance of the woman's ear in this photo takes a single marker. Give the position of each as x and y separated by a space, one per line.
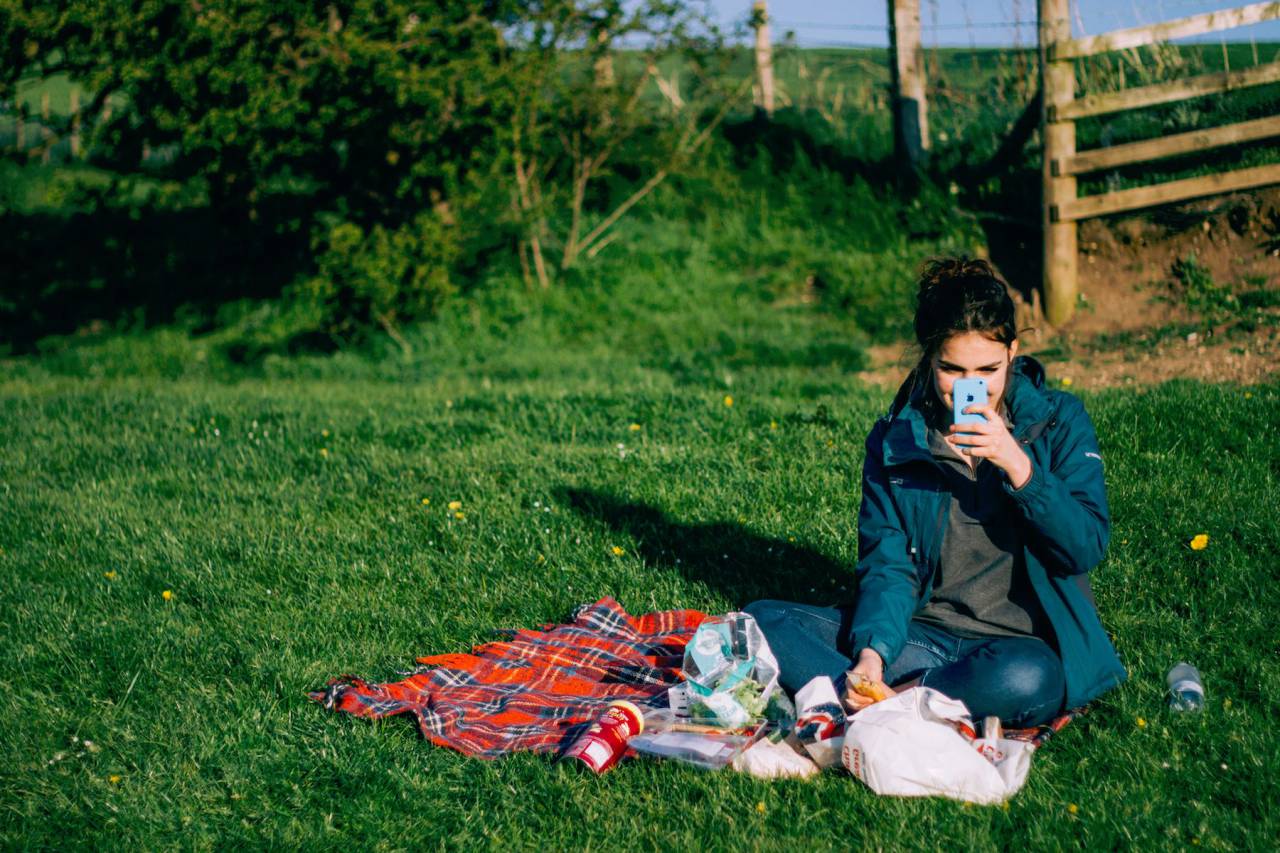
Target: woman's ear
1013 349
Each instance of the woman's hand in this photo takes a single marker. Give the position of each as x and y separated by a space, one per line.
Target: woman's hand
992 440
870 666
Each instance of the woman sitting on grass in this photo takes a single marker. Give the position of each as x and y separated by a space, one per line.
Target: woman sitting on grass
974 541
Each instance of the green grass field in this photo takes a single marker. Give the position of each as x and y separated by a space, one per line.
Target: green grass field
201 518
283 508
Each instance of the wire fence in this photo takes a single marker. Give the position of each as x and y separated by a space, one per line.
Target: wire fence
946 23
978 68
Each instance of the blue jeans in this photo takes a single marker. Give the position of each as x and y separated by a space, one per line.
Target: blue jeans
1018 679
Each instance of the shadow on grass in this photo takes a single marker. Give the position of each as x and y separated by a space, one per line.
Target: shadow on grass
726 556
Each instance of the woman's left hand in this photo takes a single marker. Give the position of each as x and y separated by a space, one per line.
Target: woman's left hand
992 440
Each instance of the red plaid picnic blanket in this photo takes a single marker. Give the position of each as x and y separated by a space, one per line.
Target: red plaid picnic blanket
538 690
1037 735
535 691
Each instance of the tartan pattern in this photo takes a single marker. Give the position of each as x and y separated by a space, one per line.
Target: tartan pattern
1037 735
535 691
539 689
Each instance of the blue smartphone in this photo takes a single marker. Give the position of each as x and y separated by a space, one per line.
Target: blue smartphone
968 392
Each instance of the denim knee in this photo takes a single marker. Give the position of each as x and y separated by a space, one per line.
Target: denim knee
1033 683
766 611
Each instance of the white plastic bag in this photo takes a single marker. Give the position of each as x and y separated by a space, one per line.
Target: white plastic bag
908 746
766 759
820 721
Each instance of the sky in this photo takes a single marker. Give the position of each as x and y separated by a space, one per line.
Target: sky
820 23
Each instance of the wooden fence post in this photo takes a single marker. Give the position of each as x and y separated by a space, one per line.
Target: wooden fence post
906 61
764 57
75 123
45 133
1059 80
604 63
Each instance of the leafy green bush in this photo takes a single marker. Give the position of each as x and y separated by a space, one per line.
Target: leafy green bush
402 138
398 151
380 275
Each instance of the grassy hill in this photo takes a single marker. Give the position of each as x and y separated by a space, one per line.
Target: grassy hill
296 511
688 396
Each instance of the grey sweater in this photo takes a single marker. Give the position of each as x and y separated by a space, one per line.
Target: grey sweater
982 588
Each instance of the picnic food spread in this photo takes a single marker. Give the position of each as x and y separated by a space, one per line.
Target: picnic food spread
730 697
675 684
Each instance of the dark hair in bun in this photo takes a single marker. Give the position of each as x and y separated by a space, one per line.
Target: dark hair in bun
961 295
957 295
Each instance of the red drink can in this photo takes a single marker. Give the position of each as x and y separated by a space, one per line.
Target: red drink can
600 746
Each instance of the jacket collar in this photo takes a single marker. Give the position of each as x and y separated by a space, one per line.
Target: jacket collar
1027 400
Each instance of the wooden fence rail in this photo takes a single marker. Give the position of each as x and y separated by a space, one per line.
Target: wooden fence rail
1097 159
1062 207
1164 93
1224 19
1166 193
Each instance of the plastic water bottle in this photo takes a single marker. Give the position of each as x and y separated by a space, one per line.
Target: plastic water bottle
1186 691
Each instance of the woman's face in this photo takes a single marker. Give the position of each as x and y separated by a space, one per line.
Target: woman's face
970 355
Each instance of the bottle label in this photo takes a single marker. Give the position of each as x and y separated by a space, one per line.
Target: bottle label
1188 686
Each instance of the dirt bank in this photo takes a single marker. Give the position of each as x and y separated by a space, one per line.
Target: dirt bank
1189 290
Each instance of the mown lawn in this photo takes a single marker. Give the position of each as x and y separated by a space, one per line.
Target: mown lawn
287 517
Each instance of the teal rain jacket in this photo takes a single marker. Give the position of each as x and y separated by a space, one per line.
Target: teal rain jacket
1063 510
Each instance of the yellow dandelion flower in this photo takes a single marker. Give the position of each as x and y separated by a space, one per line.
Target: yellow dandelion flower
1199 542
112 575
426 501
1073 808
324 433
167 595
541 559
728 401
1226 704
114 778
634 427
773 424
324 452
459 515
455 504
1142 724
1066 382
1248 395
791 538
618 552
760 807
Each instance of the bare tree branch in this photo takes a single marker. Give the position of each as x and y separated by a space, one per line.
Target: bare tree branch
662 173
